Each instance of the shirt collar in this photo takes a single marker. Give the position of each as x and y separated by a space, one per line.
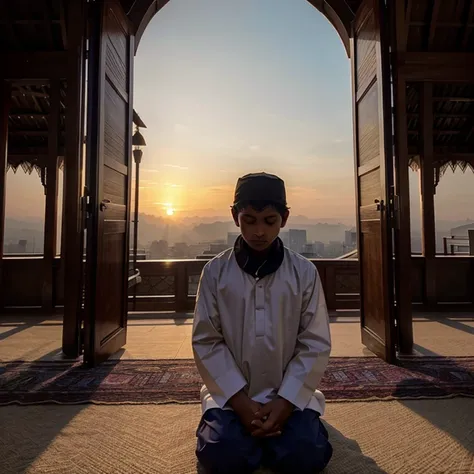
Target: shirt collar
250 263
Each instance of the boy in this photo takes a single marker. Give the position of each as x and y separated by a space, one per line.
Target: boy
261 343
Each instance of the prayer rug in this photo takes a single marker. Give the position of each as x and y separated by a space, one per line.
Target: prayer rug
177 381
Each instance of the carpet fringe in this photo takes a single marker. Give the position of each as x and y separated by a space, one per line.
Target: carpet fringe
186 402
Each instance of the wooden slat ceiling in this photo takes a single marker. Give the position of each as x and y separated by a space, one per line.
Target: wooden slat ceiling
443 26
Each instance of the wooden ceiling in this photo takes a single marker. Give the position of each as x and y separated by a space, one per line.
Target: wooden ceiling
440 26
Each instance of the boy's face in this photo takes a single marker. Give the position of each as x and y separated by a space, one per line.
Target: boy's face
260 229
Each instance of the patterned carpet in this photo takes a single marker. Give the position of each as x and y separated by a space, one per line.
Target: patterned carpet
166 381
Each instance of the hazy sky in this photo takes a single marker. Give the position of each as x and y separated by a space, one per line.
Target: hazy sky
229 87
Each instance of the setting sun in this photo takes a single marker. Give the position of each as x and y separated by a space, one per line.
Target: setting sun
170 211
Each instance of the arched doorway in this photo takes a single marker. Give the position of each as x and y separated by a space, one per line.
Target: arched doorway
109 132
340 14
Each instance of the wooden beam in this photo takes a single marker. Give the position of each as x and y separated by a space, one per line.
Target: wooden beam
25 93
436 114
441 24
433 20
19 157
402 231
465 30
72 242
47 23
4 110
403 44
400 24
20 113
453 99
26 21
467 129
51 213
32 152
432 67
62 20
427 188
31 133
460 152
8 24
50 65
437 132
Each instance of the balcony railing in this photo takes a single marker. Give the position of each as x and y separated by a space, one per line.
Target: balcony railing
172 285
459 245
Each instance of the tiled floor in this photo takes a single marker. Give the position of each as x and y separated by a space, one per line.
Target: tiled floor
33 338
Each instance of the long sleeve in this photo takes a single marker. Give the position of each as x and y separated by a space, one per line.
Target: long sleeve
213 358
305 370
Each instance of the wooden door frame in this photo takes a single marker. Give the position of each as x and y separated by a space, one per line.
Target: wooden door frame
73 226
95 93
402 232
5 103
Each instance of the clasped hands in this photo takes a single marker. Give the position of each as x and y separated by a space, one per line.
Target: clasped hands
262 421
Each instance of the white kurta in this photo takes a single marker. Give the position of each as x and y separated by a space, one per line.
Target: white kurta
269 337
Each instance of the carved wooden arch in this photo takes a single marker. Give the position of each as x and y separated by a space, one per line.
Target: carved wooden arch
140 12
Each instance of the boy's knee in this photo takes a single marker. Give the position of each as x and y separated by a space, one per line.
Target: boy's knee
309 457
222 447
317 456
227 457
306 445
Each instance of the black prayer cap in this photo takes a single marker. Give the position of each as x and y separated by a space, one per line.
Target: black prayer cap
260 187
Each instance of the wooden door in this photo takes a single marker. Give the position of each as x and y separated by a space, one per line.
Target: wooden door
109 136
374 175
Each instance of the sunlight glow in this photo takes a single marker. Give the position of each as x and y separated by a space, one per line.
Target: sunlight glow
170 211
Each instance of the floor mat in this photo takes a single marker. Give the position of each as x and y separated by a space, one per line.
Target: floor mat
397 437
166 381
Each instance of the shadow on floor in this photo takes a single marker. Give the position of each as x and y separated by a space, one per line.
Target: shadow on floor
423 351
348 457
25 434
460 326
19 327
452 418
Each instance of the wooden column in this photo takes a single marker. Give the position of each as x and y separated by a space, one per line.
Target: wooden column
403 259
181 288
51 213
427 187
5 96
72 251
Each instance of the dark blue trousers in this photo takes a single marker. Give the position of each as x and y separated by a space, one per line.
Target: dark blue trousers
224 446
